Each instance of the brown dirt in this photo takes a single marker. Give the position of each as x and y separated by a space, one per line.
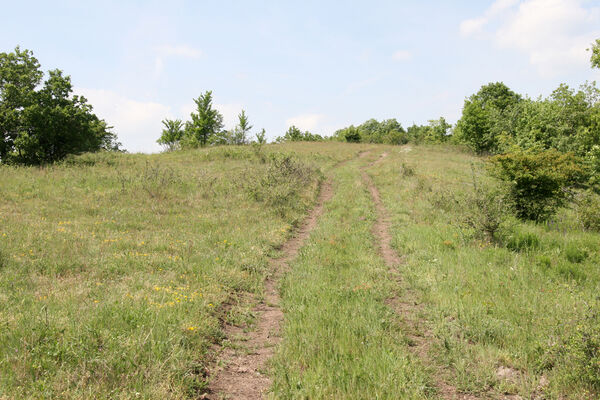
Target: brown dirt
407 306
242 375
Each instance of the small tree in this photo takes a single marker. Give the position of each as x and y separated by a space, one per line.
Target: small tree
205 122
240 134
539 180
172 134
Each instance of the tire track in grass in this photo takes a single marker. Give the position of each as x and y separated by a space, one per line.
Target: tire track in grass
242 376
407 307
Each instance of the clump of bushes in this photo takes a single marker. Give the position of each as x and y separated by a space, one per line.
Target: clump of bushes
280 185
539 181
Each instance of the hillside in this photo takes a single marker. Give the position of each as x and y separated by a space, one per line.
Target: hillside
150 276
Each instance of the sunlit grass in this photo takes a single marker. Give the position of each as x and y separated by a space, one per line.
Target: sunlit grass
115 269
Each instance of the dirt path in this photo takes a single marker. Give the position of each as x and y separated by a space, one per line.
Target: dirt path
243 374
407 307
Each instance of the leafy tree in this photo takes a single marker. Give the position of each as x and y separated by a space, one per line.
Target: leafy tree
352 134
205 122
46 124
480 112
539 179
595 57
172 134
438 130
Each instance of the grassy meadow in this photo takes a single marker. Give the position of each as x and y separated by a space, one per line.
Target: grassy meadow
518 317
117 272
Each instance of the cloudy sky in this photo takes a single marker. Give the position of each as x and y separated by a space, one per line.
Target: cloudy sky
320 65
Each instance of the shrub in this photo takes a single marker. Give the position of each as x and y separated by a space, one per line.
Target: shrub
487 209
281 184
587 208
539 180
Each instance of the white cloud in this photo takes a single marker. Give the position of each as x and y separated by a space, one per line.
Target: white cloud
554 34
305 122
402 55
471 26
475 25
136 123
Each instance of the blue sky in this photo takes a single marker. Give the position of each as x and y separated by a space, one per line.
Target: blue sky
320 65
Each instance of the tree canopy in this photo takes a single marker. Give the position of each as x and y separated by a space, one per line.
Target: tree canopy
42 121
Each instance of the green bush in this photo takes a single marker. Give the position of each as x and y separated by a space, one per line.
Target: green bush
539 180
281 184
587 208
486 209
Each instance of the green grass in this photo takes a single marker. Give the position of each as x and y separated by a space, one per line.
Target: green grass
517 304
341 340
116 270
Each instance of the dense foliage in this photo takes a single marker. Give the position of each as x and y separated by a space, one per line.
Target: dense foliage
539 180
390 131
293 134
44 122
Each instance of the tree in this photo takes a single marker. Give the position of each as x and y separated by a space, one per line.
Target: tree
172 134
241 131
46 124
205 122
490 104
351 134
595 57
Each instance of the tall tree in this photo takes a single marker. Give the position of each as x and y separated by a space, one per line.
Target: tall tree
206 121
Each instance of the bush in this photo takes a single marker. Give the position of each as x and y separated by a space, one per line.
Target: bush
539 180
487 209
281 184
587 208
